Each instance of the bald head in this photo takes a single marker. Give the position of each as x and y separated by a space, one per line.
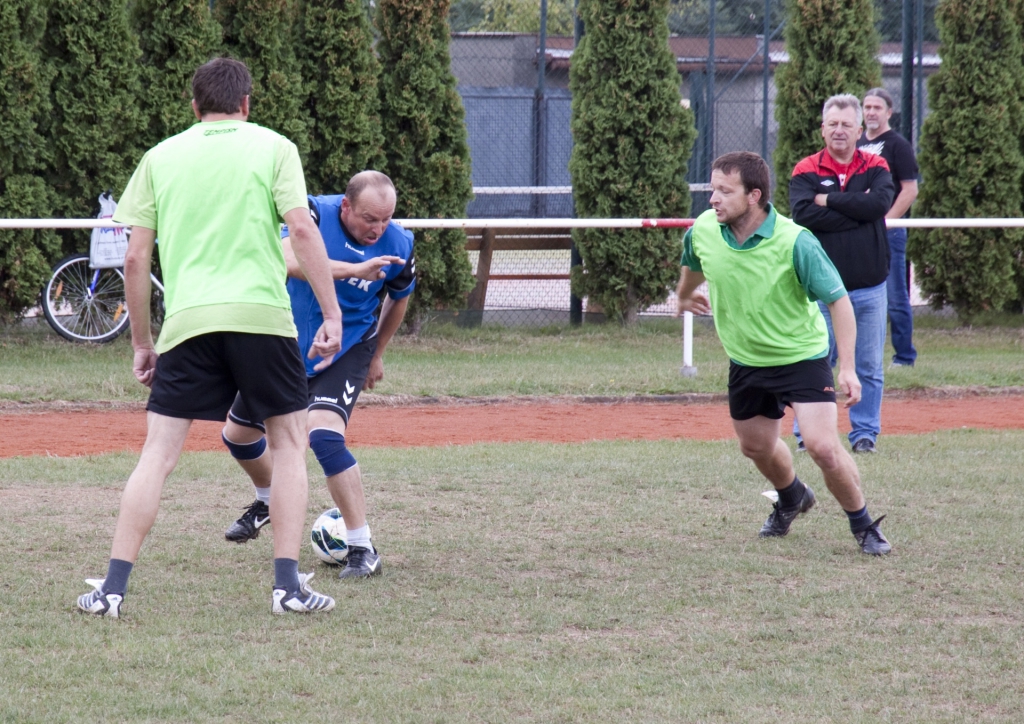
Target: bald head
368 206
368 180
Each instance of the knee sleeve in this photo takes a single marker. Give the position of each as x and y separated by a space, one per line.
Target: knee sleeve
329 448
245 451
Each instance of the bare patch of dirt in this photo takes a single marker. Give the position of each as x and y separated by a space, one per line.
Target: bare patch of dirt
68 429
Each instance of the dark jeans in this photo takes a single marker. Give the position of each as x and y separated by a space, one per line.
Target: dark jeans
901 317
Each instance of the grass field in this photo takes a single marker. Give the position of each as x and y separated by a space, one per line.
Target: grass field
533 583
35 365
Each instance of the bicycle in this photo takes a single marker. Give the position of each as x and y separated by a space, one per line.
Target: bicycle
83 304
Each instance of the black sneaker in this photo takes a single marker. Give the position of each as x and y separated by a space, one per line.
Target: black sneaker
800 447
864 445
248 526
780 519
361 563
871 540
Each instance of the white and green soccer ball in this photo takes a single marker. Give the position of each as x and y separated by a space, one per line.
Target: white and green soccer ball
329 537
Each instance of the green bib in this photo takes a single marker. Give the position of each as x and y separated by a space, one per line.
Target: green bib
762 313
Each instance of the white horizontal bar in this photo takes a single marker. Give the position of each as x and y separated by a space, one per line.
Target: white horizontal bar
1008 223
524 190
539 190
1015 223
542 223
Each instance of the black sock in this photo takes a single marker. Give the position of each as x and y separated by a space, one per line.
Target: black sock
286 574
791 495
859 519
117 576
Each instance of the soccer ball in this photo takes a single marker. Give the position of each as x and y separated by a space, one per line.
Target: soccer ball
329 537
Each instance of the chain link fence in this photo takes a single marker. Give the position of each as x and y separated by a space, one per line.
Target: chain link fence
518 113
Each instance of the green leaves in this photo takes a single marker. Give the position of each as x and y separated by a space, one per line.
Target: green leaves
971 160
425 143
340 70
259 33
632 140
175 37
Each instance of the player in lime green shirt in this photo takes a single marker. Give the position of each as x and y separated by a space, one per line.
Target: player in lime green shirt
764 275
216 194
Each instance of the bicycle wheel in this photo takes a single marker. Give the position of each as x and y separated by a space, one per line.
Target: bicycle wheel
83 304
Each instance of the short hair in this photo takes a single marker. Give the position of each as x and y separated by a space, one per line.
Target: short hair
220 85
880 93
364 180
842 101
753 170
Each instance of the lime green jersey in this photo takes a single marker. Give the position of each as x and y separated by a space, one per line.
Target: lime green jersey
215 194
763 290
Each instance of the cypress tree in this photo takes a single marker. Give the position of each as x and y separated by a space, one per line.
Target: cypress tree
970 158
425 143
260 34
340 72
96 124
832 46
175 37
25 255
632 140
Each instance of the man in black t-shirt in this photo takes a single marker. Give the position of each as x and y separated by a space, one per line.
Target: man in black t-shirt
879 138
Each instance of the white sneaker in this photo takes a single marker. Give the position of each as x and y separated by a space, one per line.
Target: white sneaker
305 601
99 603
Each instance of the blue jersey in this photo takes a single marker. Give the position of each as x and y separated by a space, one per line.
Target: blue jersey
359 299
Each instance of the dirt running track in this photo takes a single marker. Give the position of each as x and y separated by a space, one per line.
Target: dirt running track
68 431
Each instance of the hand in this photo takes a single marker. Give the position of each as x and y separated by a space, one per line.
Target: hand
821 199
373 269
849 385
326 343
697 303
376 373
144 365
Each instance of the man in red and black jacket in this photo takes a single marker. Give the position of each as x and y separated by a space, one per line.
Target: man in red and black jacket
842 194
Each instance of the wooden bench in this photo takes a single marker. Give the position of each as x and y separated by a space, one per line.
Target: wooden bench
487 241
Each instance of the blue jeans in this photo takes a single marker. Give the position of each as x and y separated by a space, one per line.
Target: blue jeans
869 308
901 318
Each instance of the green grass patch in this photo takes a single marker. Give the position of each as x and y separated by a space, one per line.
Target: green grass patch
447 360
533 583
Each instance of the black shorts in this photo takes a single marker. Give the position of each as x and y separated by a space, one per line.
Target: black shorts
336 388
199 378
766 391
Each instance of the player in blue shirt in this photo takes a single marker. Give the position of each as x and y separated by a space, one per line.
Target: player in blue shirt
372 264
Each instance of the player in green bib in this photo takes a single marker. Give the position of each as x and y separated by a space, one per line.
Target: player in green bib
764 276
216 194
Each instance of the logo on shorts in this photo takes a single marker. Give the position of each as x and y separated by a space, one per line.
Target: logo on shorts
830 389
332 400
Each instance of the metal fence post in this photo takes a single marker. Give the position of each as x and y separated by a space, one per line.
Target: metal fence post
907 73
764 79
575 260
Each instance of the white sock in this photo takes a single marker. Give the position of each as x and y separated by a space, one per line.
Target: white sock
263 495
360 537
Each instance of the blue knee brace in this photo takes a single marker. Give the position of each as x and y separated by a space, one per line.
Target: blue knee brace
329 447
245 451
